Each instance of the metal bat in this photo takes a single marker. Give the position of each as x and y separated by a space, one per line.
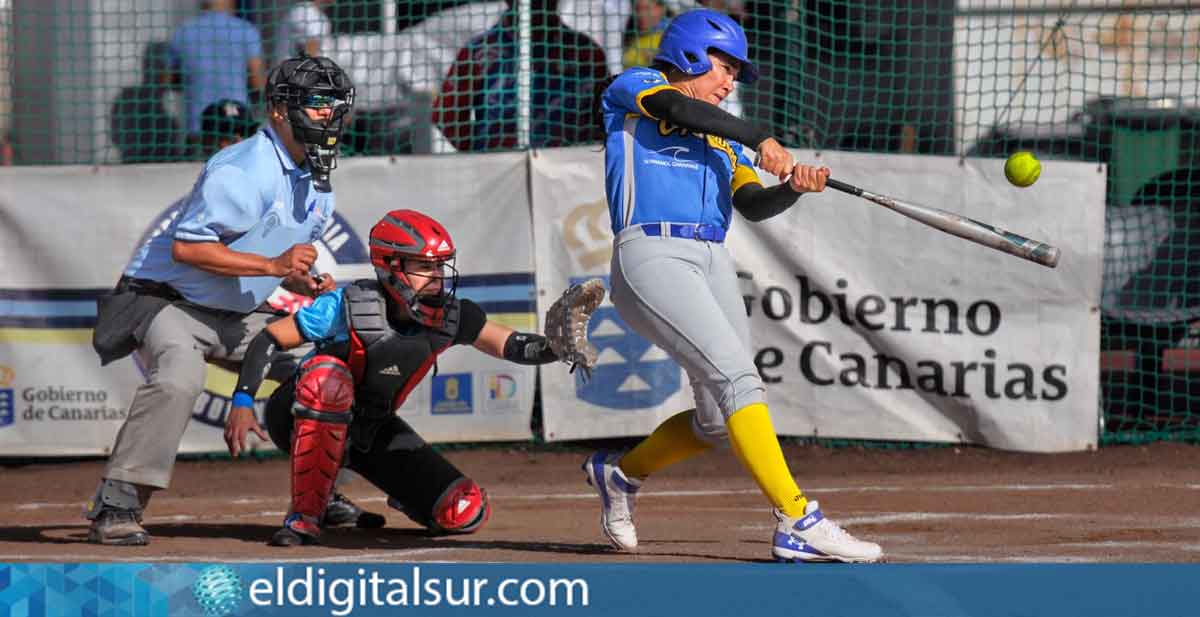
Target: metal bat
961 226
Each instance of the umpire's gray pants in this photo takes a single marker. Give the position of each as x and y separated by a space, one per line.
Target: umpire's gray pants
177 346
683 296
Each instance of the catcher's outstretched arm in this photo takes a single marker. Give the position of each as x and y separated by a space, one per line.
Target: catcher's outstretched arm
566 332
519 347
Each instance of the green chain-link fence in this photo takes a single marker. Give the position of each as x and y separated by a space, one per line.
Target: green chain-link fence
1112 81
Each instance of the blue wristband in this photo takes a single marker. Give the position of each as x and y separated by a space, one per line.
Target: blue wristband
241 399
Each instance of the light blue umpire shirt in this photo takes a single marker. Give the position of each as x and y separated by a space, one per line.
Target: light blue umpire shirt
251 197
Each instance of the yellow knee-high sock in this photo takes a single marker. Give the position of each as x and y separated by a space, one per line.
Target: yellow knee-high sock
670 443
757 447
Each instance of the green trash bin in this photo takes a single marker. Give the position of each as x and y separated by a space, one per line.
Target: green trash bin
1145 144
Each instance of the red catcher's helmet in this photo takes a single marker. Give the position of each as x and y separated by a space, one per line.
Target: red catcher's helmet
404 235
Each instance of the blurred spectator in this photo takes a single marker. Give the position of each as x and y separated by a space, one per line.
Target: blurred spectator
477 106
305 28
216 55
223 124
650 21
605 21
140 126
7 154
734 8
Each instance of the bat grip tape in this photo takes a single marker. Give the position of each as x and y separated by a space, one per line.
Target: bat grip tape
843 187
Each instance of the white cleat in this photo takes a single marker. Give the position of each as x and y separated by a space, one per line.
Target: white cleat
813 537
617 495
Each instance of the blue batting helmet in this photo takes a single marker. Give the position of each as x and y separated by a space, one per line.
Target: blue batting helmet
690 35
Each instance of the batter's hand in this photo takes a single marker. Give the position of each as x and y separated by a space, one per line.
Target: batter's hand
238 424
296 260
774 159
808 179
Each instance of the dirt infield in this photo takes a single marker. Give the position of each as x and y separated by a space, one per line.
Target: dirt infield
946 505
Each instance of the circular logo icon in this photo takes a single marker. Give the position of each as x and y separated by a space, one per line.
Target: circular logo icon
218 591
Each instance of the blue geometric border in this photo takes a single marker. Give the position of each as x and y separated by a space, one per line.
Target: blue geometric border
612 590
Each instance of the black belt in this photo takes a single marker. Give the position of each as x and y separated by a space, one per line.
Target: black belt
147 287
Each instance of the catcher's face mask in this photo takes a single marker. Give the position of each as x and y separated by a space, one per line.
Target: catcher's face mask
422 287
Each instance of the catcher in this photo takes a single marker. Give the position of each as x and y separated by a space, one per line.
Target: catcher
374 341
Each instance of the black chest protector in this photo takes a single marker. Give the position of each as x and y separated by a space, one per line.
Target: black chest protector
389 361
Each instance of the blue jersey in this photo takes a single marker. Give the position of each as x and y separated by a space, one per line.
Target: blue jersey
251 197
656 172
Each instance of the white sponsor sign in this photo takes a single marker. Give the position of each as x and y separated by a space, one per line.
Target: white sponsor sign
69 231
865 324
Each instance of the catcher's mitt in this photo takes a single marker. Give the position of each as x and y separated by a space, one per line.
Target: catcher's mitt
567 321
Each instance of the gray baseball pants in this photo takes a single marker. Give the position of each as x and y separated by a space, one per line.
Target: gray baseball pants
177 346
683 296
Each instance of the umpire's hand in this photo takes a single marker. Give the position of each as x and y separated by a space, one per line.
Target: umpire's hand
294 261
309 284
238 424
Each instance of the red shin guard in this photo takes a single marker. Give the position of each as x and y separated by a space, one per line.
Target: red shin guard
324 396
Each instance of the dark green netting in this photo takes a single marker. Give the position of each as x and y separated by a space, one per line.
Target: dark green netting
1109 81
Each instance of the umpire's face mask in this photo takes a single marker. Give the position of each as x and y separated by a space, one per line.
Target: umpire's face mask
317 123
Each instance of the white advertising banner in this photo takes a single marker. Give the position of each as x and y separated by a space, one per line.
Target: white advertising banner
68 231
865 324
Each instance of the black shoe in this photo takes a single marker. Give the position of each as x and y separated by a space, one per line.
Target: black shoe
286 536
117 527
342 512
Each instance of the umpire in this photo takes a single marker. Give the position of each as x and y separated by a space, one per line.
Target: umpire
197 291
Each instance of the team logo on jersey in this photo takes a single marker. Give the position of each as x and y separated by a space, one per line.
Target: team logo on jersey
271 223
631 372
337 245
674 152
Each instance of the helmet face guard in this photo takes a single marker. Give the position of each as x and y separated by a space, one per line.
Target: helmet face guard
690 36
407 245
318 84
425 303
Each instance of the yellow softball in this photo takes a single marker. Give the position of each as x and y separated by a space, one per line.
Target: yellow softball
1022 168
